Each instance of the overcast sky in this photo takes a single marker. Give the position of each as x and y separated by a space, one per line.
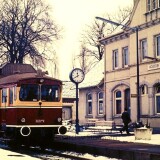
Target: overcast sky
73 15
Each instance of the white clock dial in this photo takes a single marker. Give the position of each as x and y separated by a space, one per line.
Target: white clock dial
77 75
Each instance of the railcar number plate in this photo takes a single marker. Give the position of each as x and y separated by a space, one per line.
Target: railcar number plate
40 120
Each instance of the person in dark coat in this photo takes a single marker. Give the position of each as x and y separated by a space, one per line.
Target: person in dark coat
126 120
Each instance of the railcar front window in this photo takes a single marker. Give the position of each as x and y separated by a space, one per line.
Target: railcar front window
29 92
4 95
50 93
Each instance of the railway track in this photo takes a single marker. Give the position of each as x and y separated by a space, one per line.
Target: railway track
58 155
47 154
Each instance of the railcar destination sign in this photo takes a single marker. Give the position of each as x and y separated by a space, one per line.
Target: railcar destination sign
154 66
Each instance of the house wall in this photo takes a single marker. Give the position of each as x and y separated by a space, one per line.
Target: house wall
126 78
83 114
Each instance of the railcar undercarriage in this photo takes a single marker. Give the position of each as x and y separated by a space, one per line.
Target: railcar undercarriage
27 136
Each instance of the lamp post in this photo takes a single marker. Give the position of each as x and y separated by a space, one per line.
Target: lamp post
135 29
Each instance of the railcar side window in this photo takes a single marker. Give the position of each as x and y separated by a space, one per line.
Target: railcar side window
50 93
4 95
29 92
15 92
10 95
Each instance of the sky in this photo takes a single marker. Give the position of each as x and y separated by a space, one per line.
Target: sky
73 16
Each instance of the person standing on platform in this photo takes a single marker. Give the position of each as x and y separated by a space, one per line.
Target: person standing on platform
126 120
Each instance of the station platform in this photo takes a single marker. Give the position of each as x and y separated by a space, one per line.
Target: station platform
114 145
6 154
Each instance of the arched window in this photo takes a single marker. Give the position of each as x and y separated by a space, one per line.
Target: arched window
100 103
144 89
89 103
157 98
118 102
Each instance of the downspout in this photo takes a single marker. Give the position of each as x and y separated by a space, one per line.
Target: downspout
105 99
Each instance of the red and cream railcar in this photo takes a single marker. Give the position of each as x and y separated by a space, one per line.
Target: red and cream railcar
30 107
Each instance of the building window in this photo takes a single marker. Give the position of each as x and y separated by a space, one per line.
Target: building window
157 45
115 59
118 102
143 46
157 98
127 99
4 95
125 56
144 89
154 4
158 3
148 5
89 103
100 103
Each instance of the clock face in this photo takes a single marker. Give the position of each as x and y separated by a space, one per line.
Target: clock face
77 75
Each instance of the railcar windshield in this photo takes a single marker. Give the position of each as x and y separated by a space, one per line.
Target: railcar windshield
29 92
50 93
36 92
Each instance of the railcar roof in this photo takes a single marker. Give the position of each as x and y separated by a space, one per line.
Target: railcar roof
12 79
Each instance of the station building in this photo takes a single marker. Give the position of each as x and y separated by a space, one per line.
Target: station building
107 90
120 66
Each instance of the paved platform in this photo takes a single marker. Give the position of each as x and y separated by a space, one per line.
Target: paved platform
112 145
108 144
6 154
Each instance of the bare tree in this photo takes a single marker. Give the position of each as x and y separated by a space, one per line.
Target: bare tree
99 29
85 62
26 31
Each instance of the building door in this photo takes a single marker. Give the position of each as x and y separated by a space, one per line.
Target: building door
66 113
127 99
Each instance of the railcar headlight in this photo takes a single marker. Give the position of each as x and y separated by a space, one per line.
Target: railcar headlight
41 80
23 120
59 119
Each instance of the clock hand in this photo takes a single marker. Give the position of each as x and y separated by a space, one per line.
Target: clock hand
76 76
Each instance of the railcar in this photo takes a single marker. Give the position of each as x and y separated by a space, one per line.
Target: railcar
30 108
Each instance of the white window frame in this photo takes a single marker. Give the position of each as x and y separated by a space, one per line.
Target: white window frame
157 46
125 57
100 104
158 5
118 99
154 6
157 94
144 89
115 59
89 101
148 5
144 48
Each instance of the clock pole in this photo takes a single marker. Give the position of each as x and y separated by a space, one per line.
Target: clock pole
77 119
77 76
